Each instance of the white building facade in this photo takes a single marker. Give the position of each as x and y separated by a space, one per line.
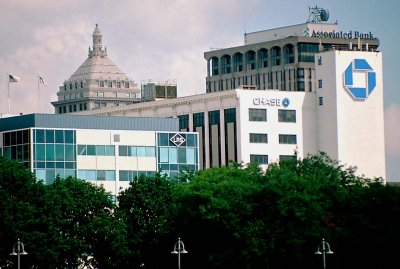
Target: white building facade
342 117
106 151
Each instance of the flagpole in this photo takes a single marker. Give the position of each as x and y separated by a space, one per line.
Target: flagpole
8 92
38 85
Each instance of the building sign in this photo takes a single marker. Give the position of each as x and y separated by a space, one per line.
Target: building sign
271 102
339 34
177 139
359 92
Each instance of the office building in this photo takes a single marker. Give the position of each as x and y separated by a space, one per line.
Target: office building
286 93
97 83
107 151
282 58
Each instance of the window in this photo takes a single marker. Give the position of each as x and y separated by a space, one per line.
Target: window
126 84
258 138
306 52
259 159
76 85
285 115
118 84
320 60
287 158
101 83
96 150
320 83
257 114
321 101
81 84
117 138
70 86
109 84
287 139
300 85
300 72
81 94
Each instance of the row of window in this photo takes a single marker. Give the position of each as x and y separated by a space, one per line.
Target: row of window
135 151
128 175
54 152
263 58
109 150
115 84
72 108
288 79
263 159
102 175
174 155
117 95
260 114
101 83
48 175
263 138
124 175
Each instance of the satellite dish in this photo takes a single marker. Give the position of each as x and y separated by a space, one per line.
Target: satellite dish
318 15
324 15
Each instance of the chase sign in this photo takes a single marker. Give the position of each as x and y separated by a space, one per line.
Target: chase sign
359 66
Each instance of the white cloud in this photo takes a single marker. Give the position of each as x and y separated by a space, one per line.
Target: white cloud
392 130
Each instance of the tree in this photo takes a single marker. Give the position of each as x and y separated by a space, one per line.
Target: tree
146 208
81 223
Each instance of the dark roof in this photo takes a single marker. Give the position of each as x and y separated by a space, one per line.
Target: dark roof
89 122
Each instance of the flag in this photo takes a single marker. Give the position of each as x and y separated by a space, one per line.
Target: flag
41 80
12 78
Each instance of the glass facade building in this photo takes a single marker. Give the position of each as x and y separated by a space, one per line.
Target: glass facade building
104 155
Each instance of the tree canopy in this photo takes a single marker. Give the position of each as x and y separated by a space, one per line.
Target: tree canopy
229 217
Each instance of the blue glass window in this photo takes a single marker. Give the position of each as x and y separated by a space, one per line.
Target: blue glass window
49 136
59 136
39 136
163 155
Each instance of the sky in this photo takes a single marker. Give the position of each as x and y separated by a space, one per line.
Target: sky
166 40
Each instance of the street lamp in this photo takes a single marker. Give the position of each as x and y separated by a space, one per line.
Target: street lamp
178 249
324 248
20 251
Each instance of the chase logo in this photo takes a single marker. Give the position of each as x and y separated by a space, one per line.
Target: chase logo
285 102
365 75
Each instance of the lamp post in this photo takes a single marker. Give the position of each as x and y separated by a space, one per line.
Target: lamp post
179 248
20 251
324 248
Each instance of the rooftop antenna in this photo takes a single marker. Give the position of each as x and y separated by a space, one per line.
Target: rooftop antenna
317 15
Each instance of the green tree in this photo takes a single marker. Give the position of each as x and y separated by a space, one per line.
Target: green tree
20 215
81 223
146 208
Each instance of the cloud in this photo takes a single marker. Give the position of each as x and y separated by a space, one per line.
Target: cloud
392 129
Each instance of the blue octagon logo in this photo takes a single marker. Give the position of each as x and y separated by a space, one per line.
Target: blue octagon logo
359 66
285 102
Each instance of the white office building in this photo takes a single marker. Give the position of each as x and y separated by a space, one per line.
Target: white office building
285 93
342 117
107 151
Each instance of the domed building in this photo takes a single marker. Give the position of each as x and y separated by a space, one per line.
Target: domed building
97 83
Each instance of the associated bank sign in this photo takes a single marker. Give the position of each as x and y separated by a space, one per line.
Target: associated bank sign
285 102
360 66
339 34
